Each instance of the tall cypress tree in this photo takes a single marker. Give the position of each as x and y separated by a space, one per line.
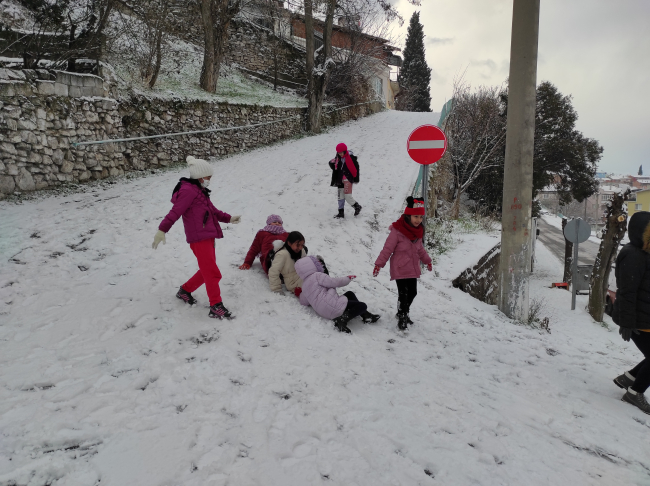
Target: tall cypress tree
415 75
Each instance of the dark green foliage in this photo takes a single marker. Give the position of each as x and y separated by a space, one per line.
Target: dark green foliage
563 156
415 75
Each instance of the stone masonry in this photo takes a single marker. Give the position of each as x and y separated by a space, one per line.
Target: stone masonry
38 133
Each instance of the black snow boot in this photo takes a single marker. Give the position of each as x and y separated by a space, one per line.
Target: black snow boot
185 296
624 381
638 400
402 323
369 318
218 311
357 208
341 214
341 323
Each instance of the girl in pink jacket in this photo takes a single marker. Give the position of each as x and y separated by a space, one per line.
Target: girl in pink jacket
405 250
191 199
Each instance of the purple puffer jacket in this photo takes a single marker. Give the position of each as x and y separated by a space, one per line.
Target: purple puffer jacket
318 290
200 217
405 255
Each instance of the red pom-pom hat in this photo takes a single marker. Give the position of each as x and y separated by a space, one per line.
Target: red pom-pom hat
417 209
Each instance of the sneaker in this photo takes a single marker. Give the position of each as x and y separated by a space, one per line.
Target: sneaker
341 214
369 317
357 208
638 400
218 311
341 323
185 296
625 381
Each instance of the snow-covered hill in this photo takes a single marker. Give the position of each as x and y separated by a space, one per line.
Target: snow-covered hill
106 378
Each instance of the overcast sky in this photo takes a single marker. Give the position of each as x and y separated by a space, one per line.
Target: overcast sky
596 50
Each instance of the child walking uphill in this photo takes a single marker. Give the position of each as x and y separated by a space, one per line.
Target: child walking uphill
405 250
319 291
263 243
191 199
345 172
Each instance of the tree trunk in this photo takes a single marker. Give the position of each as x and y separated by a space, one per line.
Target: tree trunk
615 227
568 256
319 77
160 31
207 81
309 61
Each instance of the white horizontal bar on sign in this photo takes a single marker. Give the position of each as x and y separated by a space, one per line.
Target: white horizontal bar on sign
426 144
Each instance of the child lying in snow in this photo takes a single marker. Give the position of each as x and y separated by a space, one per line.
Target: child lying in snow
263 243
318 290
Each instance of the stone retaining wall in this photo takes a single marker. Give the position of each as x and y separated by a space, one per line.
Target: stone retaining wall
37 135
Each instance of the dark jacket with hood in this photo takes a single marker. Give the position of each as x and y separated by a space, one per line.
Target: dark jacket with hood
632 304
339 169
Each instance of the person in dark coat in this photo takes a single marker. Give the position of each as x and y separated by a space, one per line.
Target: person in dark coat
632 306
345 172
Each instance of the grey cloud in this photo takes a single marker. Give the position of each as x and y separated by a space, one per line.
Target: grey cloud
439 41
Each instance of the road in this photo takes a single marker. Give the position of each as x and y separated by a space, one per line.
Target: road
553 239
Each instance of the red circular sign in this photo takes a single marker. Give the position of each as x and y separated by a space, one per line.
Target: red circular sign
426 144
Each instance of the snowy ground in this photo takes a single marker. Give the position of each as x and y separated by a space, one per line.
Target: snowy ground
106 378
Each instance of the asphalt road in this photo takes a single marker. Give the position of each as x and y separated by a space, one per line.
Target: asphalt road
553 239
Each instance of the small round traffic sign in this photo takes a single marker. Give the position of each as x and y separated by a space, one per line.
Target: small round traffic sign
426 144
577 231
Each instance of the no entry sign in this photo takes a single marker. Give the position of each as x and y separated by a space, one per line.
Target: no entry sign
426 144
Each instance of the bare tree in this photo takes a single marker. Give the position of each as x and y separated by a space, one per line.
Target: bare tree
476 131
62 31
216 16
364 56
615 227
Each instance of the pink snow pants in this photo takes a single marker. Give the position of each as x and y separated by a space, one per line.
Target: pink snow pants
208 271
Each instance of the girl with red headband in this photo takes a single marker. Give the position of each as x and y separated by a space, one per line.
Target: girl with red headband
405 250
345 172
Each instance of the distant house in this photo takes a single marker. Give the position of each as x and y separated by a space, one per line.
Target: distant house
592 209
344 35
638 201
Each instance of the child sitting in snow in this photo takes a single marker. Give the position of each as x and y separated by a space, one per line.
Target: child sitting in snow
191 199
263 243
319 291
282 267
405 250
345 172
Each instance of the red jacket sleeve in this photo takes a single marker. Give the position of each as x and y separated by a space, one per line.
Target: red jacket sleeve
389 248
184 200
255 248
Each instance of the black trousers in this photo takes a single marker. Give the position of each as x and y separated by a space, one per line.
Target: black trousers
407 289
641 372
354 307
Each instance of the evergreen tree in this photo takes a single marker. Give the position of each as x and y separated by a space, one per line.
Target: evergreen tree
415 75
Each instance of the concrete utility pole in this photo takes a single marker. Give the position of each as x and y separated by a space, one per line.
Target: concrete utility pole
514 269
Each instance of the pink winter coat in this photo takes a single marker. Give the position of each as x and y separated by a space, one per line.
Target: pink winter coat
319 290
405 255
200 217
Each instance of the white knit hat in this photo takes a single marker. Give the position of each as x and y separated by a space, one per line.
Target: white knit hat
198 168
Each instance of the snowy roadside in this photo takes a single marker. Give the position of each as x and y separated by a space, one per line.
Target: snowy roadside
104 375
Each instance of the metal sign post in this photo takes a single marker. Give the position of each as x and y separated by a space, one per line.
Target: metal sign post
426 145
576 231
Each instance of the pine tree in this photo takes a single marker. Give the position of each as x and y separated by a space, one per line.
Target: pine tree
415 75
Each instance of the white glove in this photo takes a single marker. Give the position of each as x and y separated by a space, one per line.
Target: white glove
235 219
160 236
